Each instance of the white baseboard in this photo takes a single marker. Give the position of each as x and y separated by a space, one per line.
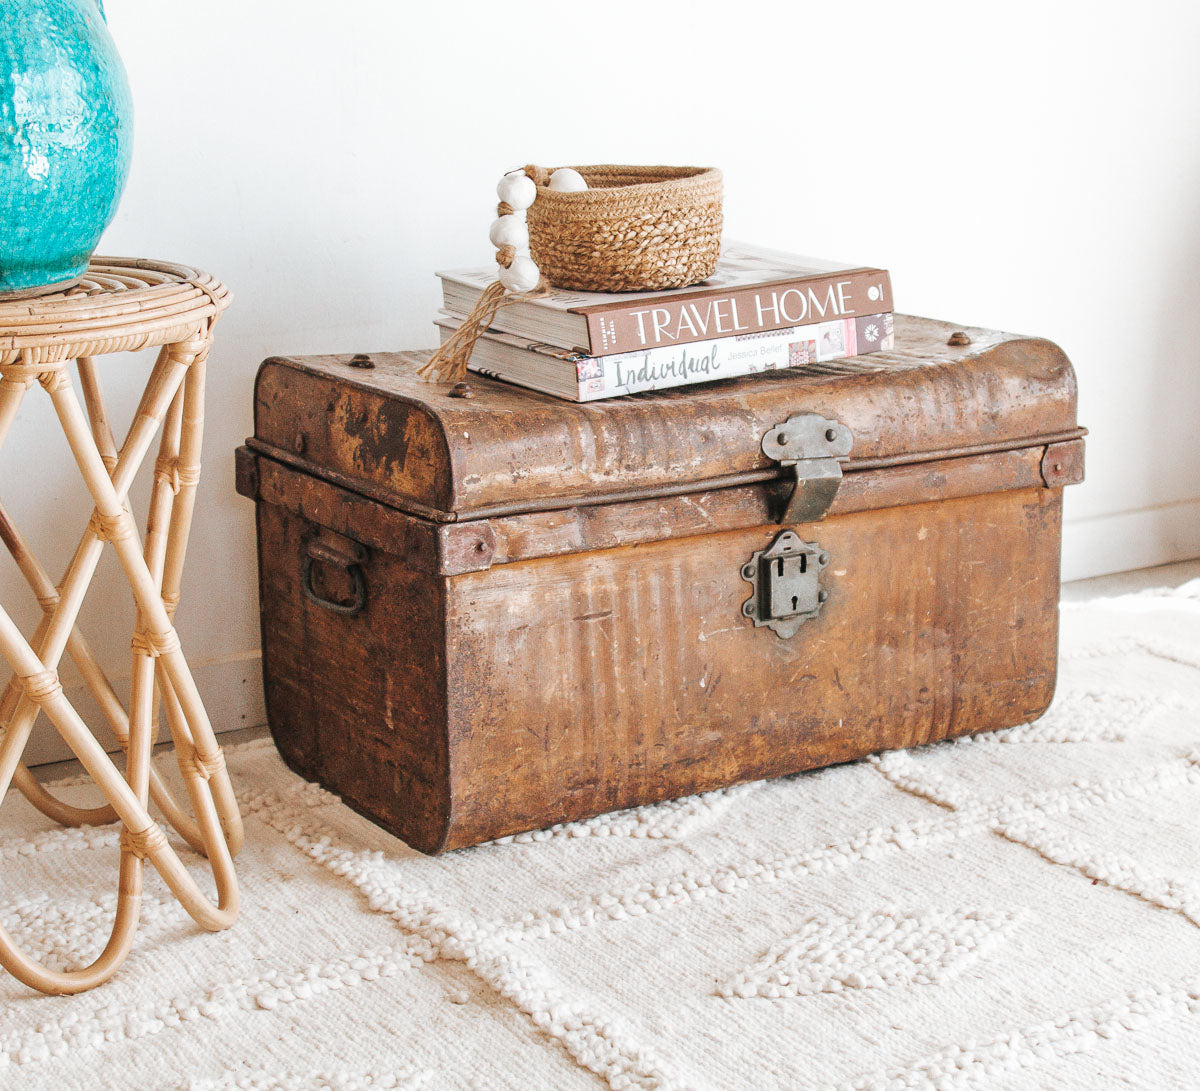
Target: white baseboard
1131 540
231 688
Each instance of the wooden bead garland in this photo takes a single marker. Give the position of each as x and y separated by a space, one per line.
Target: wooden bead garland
517 190
518 276
510 231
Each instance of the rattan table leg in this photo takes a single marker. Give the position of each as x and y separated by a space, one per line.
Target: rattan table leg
105 696
93 675
142 838
116 524
164 381
187 479
12 392
108 481
166 473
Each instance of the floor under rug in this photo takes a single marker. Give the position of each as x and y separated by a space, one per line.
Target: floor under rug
1016 911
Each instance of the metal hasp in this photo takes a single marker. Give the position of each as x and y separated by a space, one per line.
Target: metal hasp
816 447
786 577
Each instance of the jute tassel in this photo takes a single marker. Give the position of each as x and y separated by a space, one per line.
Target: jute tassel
449 363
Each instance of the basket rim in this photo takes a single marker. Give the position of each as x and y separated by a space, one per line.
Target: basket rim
676 177
681 186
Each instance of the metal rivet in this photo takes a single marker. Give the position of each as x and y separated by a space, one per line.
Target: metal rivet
958 337
481 547
1058 467
461 390
782 439
823 558
361 359
831 434
299 443
822 596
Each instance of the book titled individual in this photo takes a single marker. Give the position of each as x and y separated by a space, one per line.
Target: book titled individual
754 290
580 377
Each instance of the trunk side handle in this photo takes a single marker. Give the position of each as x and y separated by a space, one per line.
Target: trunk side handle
345 554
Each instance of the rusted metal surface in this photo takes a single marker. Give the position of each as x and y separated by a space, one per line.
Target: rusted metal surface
358 702
561 503
457 709
580 645
245 473
1062 464
394 434
475 545
595 681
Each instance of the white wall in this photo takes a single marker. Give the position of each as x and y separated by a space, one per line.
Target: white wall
1029 166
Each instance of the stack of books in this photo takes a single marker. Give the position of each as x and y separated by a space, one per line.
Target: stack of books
761 310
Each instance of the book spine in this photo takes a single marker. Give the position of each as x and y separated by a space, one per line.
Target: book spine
662 322
731 357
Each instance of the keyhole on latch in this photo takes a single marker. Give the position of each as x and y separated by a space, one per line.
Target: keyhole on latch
795 602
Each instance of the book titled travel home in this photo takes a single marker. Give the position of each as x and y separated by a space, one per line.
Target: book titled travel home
754 290
579 377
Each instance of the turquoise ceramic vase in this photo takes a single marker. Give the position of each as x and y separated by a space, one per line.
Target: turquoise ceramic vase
66 136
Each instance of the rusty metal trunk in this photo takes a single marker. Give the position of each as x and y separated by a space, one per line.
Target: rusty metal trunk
487 615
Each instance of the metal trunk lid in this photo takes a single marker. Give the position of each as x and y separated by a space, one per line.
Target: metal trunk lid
384 433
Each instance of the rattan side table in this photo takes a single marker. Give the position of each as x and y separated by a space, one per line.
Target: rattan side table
121 305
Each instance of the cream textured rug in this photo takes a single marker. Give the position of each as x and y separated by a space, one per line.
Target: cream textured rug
1015 911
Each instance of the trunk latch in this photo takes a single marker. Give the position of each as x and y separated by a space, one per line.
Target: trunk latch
816 447
786 577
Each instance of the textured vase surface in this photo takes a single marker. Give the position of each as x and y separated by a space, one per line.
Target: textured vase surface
66 128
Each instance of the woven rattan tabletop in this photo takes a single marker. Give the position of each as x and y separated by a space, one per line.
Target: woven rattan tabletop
119 305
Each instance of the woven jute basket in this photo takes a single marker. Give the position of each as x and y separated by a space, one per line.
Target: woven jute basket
632 229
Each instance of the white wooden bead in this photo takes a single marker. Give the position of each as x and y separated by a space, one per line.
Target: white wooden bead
521 276
566 180
517 190
509 231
